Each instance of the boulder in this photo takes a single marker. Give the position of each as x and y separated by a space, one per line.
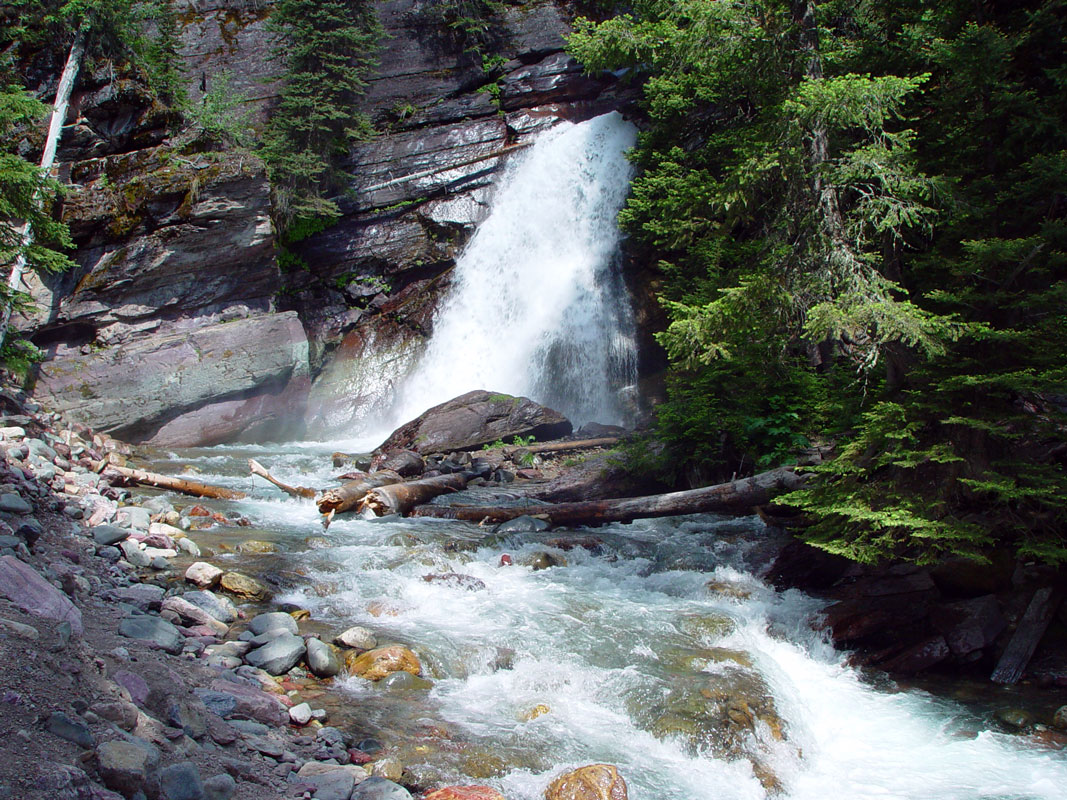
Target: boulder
375 788
357 637
969 625
227 698
279 655
204 575
244 586
109 534
474 419
272 621
322 659
594 782
127 767
181 782
145 596
221 608
193 614
374 665
26 588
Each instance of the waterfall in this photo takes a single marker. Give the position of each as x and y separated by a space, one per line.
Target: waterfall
537 307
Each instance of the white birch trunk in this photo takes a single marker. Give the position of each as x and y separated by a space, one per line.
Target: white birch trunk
48 158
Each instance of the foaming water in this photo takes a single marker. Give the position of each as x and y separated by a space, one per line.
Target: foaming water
538 307
600 660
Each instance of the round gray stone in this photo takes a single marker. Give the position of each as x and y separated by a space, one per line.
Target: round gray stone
375 788
278 656
181 782
322 660
274 620
155 630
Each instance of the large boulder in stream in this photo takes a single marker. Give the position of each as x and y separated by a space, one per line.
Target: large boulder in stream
474 419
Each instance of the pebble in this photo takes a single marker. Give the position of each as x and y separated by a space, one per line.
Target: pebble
300 714
204 575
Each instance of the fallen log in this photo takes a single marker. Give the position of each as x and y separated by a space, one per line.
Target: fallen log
174 484
400 498
345 497
295 491
1027 636
730 497
563 447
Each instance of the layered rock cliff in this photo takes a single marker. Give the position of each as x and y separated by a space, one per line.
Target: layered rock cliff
177 327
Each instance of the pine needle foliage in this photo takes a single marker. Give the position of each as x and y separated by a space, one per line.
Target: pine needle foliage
327 48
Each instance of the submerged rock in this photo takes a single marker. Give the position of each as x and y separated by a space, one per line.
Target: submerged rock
594 782
376 664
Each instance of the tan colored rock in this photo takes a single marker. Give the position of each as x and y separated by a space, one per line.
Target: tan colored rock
312 768
376 664
389 768
203 574
465 793
243 586
594 782
255 546
167 530
533 713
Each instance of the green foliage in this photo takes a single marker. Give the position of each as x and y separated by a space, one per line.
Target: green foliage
523 441
859 215
223 113
160 54
327 47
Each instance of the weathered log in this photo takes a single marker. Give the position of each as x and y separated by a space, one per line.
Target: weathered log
563 447
739 495
1027 636
345 497
400 498
174 484
295 491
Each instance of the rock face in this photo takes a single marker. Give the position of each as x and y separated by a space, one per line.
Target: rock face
476 418
177 326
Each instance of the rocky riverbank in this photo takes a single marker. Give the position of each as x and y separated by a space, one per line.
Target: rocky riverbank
138 669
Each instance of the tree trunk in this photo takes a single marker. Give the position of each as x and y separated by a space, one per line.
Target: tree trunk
563 447
400 498
347 495
174 484
295 491
739 495
48 157
1027 636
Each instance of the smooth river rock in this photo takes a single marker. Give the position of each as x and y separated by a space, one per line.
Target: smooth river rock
594 782
155 630
279 655
322 659
376 664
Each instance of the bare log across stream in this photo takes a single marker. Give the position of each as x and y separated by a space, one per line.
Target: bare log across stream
400 498
729 497
174 484
347 495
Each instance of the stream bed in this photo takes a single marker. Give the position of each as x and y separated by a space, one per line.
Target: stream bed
652 646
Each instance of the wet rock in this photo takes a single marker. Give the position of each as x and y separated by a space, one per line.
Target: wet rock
181 782
542 560
322 659
523 524
25 587
244 586
406 463
473 419
272 621
127 767
204 575
594 782
389 768
969 625
404 682
72 730
1014 718
374 665
358 638
465 793
1059 719
278 656
155 630
921 656
255 546
456 580
375 788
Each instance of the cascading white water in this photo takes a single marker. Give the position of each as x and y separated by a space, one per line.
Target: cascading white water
538 307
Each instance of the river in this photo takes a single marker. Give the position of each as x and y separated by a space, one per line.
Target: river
620 655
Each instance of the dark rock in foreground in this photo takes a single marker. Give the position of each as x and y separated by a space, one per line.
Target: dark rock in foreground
476 418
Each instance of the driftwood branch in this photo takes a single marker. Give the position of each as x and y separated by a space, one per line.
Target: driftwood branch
295 491
739 495
563 447
400 498
174 484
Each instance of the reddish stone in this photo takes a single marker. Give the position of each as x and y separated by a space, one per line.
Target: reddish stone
359 757
505 560
465 793
197 511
